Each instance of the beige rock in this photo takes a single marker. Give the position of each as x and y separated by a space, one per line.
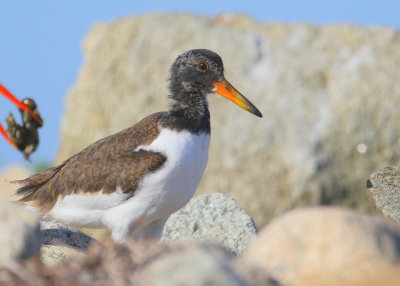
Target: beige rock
15 172
329 246
326 93
20 236
199 264
384 189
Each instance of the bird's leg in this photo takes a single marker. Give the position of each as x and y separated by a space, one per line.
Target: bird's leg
19 137
15 131
12 126
154 229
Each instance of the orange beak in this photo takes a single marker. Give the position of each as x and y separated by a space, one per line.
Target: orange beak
225 89
20 104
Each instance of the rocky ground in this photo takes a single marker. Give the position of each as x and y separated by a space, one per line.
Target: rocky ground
212 241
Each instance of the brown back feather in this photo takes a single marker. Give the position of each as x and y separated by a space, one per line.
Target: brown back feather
102 166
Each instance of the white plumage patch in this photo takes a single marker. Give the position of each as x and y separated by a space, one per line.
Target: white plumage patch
85 210
159 194
174 184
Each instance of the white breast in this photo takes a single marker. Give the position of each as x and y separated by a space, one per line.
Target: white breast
170 188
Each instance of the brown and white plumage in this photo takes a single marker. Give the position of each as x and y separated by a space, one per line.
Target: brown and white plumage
130 182
101 166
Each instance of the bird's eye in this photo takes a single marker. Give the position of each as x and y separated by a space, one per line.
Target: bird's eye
203 66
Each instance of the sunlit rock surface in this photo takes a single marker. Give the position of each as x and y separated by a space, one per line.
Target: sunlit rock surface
329 246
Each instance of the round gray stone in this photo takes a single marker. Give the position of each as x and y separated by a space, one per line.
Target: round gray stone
212 217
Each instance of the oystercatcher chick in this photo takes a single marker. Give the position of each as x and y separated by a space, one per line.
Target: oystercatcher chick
132 181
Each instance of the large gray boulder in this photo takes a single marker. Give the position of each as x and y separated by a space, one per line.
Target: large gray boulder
329 96
384 189
212 217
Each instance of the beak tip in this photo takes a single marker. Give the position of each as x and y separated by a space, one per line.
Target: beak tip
256 112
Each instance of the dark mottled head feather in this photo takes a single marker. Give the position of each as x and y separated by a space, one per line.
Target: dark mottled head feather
190 85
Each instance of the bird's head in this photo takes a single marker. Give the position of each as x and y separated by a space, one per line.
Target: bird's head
196 73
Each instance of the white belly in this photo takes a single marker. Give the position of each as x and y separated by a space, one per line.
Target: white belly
170 188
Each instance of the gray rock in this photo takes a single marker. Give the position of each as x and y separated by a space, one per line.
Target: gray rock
199 265
59 234
61 243
384 188
321 89
20 232
53 254
213 217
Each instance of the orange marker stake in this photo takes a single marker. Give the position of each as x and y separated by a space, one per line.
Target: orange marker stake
19 104
5 134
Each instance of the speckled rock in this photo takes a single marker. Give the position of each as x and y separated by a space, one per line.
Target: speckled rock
199 265
325 92
54 254
384 189
61 243
55 233
20 236
329 246
213 217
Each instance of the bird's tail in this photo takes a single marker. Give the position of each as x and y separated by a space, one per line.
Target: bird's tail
34 189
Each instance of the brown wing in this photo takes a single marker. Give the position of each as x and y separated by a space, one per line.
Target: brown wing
102 166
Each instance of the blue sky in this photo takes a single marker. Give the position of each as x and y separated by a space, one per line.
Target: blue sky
40 45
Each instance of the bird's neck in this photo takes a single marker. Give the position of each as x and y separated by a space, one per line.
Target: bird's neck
191 108
190 112
188 99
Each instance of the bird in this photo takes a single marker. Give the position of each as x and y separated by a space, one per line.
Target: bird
25 136
132 181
